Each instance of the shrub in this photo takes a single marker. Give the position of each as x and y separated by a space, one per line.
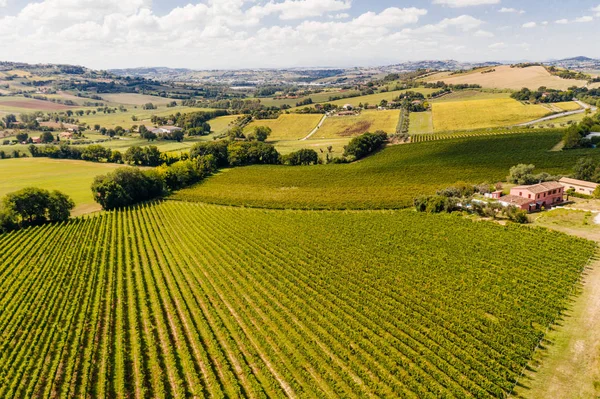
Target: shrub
301 157
361 146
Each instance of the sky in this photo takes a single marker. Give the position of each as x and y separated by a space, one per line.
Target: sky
238 34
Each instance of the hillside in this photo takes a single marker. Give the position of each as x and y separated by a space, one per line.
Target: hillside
184 300
389 179
505 77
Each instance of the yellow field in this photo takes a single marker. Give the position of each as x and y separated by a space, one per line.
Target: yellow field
375 99
350 126
320 146
288 126
568 106
483 114
420 122
221 124
506 77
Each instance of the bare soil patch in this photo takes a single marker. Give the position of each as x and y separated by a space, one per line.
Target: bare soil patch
35 104
356 129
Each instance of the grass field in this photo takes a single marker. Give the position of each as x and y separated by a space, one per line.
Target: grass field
350 126
74 178
20 105
124 119
375 99
321 146
506 77
316 98
477 114
136 99
221 124
421 122
565 119
389 179
288 126
182 300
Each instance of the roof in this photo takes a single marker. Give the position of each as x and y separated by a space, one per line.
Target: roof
516 200
575 182
540 188
170 128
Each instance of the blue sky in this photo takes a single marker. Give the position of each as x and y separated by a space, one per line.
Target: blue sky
237 34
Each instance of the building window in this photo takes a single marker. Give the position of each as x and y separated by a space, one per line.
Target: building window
529 196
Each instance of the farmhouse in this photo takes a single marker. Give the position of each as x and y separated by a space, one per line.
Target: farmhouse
66 135
36 140
166 130
580 186
348 107
535 197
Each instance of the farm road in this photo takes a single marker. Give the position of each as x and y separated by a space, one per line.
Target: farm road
315 129
562 114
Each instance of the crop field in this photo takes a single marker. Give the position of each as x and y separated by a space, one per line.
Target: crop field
477 114
317 98
321 146
375 99
568 106
184 300
74 178
288 126
125 120
135 99
27 105
221 124
389 179
418 138
420 122
470 95
506 77
350 126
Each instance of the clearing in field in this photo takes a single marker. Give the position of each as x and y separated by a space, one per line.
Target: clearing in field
478 114
421 122
506 77
221 124
184 300
389 179
366 121
74 178
288 126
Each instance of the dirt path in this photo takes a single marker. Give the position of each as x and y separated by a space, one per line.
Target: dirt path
569 367
315 129
583 106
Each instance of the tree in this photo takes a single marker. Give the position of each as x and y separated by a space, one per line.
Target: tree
22 137
35 205
9 120
585 169
47 137
596 193
260 133
59 206
301 157
521 174
218 149
126 186
361 146
134 156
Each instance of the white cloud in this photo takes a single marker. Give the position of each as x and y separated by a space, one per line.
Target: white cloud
497 46
3 3
483 33
463 23
597 10
511 10
530 25
465 3
340 16
544 23
562 21
586 18
299 9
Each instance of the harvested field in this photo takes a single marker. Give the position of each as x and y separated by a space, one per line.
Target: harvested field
506 77
350 126
288 126
32 104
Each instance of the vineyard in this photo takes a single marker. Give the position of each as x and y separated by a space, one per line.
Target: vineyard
188 300
419 138
391 178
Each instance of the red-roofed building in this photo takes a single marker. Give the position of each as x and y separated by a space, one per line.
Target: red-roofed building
535 197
